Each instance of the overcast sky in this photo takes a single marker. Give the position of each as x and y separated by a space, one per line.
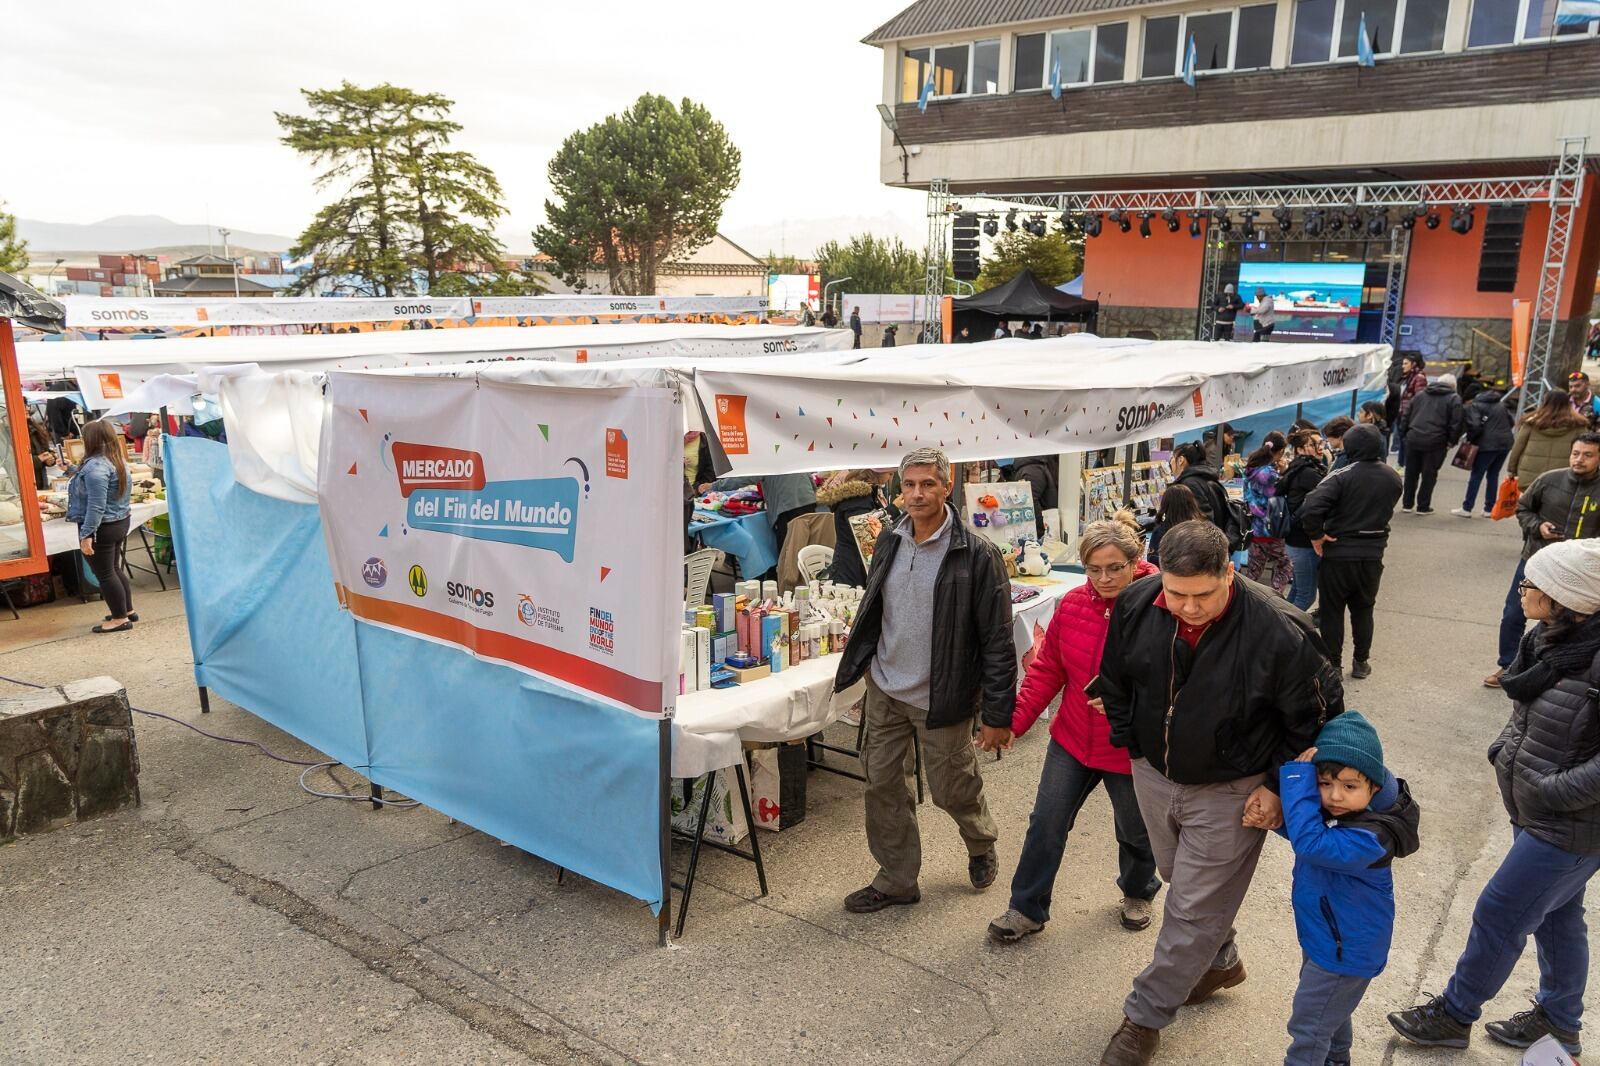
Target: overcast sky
166 108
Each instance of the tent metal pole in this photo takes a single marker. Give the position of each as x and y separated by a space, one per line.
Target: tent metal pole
664 918
1355 398
1127 474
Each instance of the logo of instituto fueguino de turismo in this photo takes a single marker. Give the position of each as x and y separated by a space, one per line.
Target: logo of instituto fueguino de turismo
417 578
374 573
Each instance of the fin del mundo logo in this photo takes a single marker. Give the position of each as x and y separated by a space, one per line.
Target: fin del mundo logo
447 491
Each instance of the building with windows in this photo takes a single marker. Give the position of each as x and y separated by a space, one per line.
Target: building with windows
212 275
718 268
1286 148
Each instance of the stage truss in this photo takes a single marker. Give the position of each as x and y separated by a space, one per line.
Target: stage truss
1561 191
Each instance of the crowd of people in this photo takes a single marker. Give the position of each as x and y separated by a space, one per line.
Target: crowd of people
1208 699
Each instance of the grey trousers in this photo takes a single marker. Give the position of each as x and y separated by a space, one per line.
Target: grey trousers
951 763
1207 857
1319 1027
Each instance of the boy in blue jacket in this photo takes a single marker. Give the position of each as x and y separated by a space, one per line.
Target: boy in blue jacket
1348 819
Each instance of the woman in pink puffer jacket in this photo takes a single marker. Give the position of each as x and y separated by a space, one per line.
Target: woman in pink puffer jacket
1081 754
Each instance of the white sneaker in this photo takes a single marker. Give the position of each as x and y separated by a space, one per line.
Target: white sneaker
1407 510
1012 926
1461 512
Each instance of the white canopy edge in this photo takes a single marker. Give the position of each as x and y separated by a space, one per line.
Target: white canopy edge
110 370
1029 397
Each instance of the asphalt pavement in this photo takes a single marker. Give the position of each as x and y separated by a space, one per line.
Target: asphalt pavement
233 918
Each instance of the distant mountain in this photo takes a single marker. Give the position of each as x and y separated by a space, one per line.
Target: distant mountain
800 237
139 233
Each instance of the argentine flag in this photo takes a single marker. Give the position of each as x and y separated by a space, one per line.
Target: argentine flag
1577 12
1190 60
1055 77
927 92
1364 54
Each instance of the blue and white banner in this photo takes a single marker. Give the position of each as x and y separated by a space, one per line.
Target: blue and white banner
1577 12
527 525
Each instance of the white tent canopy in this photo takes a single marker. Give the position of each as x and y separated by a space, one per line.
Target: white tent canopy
871 407
110 370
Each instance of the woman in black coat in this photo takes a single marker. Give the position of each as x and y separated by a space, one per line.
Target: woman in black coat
1547 762
847 495
1489 426
1304 473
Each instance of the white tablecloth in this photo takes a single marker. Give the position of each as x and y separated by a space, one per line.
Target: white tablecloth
62 536
710 725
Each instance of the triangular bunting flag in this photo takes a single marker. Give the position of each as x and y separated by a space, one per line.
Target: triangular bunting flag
605 572
352 469
544 431
802 411
384 532
830 422
362 411
813 447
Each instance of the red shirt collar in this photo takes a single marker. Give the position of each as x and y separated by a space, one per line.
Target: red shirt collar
1191 634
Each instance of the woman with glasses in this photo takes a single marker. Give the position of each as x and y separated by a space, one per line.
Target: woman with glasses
1547 763
1081 754
1305 472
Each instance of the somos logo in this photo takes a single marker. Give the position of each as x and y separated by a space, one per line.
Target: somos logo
427 466
119 316
1337 376
480 601
412 309
787 345
1138 416
624 305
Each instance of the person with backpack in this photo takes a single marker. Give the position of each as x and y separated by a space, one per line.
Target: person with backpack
1489 427
1304 473
1269 562
1190 469
1432 424
1347 519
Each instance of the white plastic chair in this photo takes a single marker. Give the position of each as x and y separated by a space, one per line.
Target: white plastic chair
697 569
812 560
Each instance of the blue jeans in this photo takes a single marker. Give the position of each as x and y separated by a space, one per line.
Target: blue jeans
1512 621
1063 788
1303 581
1319 1026
1485 468
1537 890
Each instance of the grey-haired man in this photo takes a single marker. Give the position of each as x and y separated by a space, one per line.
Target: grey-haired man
933 639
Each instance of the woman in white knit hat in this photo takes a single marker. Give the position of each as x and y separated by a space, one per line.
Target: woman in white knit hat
1547 760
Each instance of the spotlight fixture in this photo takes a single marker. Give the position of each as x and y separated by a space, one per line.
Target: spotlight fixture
1066 222
1011 221
1432 221
1313 223
1284 217
1335 223
1378 223
1115 214
1194 222
1461 219
1039 226
1144 224
1420 210
1408 222
1091 224
1170 217
1353 219
991 226
1124 223
1222 220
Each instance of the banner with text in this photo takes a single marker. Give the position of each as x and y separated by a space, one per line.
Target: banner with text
527 525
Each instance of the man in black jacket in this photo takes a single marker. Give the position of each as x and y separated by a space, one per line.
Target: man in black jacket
1211 682
1347 521
1432 425
933 638
1038 471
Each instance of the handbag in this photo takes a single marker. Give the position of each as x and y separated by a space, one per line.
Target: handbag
1465 455
1505 504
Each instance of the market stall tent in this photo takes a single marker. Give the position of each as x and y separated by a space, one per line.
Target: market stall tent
579 780
1022 299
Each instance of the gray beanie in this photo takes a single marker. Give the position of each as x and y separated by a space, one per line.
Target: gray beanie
1568 572
1447 380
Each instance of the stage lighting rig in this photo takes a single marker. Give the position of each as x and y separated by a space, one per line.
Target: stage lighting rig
1461 219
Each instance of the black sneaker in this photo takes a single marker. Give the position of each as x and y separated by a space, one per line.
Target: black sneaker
1424 510
983 869
869 900
1522 1029
1430 1025
1360 668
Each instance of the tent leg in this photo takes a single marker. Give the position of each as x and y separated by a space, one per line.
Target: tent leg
750 820
377 796
205 700
694 851
1355 397
664 772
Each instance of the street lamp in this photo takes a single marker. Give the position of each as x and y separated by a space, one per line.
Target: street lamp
229 258
48 276
829 285
886 113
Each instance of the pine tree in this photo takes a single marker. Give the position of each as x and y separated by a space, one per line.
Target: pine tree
13 249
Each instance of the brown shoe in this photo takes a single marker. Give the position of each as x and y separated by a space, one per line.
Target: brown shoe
1131 1045
869 900
1215 980
1493 680
983 869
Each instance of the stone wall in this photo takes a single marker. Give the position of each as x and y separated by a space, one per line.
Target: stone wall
1167 323
66 754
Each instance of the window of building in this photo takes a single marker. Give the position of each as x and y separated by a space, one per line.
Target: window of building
913 74
958 70
986 67
1497 22
1313 31
1028 60
1380 19
1073 49
1238 39
1254 45
1110 52
950 65
1160 47
1326 30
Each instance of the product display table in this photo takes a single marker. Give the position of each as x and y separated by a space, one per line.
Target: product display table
62 536
747 538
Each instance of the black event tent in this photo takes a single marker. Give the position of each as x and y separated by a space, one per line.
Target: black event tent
1022 299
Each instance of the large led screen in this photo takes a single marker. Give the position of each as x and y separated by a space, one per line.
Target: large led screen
1312 301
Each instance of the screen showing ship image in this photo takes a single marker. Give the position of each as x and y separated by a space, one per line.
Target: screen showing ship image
1312 301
